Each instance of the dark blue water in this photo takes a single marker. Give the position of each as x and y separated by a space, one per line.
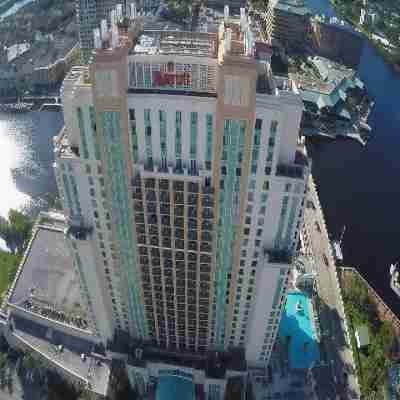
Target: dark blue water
358 186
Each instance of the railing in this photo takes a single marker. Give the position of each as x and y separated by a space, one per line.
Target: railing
278 256
290 171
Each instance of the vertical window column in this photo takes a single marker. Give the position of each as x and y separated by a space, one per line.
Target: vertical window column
193 142
271 141
148 142
178 140
96 145
256 146
278 239
163 138
135 147
209 143
82 133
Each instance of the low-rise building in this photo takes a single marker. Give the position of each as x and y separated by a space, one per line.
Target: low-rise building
17 50
44 66
8 81
334 97
45 316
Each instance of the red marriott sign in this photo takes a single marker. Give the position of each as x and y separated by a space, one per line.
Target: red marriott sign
170 79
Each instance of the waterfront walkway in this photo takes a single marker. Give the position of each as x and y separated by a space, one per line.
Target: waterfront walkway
335 341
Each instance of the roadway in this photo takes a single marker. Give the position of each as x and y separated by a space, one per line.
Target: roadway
335 342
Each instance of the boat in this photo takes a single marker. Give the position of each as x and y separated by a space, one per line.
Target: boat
16 107
337 251
395 278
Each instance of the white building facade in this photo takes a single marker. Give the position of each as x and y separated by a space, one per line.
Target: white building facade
181 175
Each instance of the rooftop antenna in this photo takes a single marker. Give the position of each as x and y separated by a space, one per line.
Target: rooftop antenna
115 37
97 38
113 18
226 13
133 10
119 12
104 29
227 40
242 19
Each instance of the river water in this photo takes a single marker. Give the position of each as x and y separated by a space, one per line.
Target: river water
26 157
358 186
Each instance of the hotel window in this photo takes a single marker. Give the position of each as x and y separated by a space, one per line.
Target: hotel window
163 136
178 136
148 140
82 133
92 115
274 126
193 135
209 138
135 148
264 197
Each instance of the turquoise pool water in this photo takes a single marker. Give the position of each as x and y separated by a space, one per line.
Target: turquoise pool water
170 387
297 330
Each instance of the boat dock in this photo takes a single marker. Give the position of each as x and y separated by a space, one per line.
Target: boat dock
334 135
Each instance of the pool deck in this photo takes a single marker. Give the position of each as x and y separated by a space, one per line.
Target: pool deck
171 387
298 326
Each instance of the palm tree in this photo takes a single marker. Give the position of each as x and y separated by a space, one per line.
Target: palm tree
28 361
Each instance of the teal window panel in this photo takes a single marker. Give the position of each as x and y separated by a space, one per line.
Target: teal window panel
134 136
193 135
209 140
163 133
96 145
120 187
178 135
82 132
148 153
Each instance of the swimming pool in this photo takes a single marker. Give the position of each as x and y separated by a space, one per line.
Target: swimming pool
171 387
297 331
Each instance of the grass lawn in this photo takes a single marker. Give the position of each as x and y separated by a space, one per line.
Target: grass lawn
372 363
8 268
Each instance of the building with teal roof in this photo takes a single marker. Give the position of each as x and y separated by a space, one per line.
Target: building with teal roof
326 87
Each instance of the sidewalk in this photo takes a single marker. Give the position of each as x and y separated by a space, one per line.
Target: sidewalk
334 331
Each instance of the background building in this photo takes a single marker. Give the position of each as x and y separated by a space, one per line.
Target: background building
90 13
288 22
8 83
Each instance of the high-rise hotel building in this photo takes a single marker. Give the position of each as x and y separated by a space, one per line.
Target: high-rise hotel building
183 182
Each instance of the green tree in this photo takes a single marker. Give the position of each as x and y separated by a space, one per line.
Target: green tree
3 360
28 362
16 231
